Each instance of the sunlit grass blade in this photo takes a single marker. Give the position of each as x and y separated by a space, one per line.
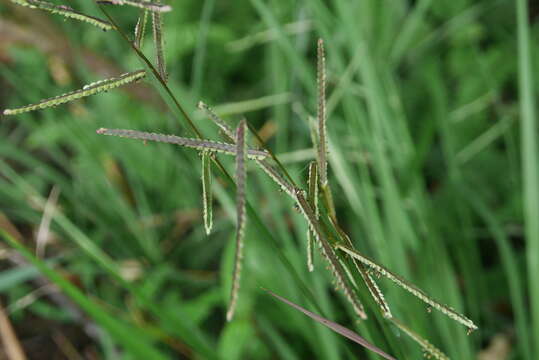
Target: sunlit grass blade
87 90
203 145
227 130
142 4
429 349
206 191
65 11
140 28
328 253
241 173
157 29
530 174
335 327
312 196
125 335
412 289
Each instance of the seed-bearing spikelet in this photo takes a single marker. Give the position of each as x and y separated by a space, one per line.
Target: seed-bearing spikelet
65 11
87 90
203 145
322 138
241 154
329 254
142 4
217 120
140 28
206 191
157 27
412 289
430 350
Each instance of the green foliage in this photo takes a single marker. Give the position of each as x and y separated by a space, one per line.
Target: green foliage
425 164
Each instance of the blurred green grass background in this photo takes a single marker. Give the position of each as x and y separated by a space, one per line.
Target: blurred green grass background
432 160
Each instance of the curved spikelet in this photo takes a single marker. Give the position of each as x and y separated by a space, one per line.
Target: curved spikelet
203 145
412 289
329 254
157 26
142 4
322 138
241 154
430 350
87 90
65 11
217 120
140 28
206 191
312 196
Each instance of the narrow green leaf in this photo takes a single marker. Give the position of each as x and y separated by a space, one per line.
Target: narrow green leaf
204 145
206 191
137 344
87 90
65 11
241 173
339 329
412 289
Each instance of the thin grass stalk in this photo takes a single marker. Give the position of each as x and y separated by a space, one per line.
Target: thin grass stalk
203 145
65 11
429 349
241 174
87 90
412 289
206 192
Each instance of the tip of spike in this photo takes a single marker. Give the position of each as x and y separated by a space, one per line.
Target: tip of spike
101 130
201 105
7 112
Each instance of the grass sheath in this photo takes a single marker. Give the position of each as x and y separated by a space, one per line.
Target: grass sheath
241 154
87 90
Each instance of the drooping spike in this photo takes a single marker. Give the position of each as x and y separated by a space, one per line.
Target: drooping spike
157 26
140 28
206 191
322 137
203 145
241 153
87 90
65 11
430 350
312 196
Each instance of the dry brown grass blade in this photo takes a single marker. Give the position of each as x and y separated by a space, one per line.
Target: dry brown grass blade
12 346
335 327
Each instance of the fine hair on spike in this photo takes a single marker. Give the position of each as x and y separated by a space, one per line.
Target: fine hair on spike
322 137
339 329
203 145
430 350
241 154
140 28
87 90
412 289
142 4
65 11
312 196
157 27
206 191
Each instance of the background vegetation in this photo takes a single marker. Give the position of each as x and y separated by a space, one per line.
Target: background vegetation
431 158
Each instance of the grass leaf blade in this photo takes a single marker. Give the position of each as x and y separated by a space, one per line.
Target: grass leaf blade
335 327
